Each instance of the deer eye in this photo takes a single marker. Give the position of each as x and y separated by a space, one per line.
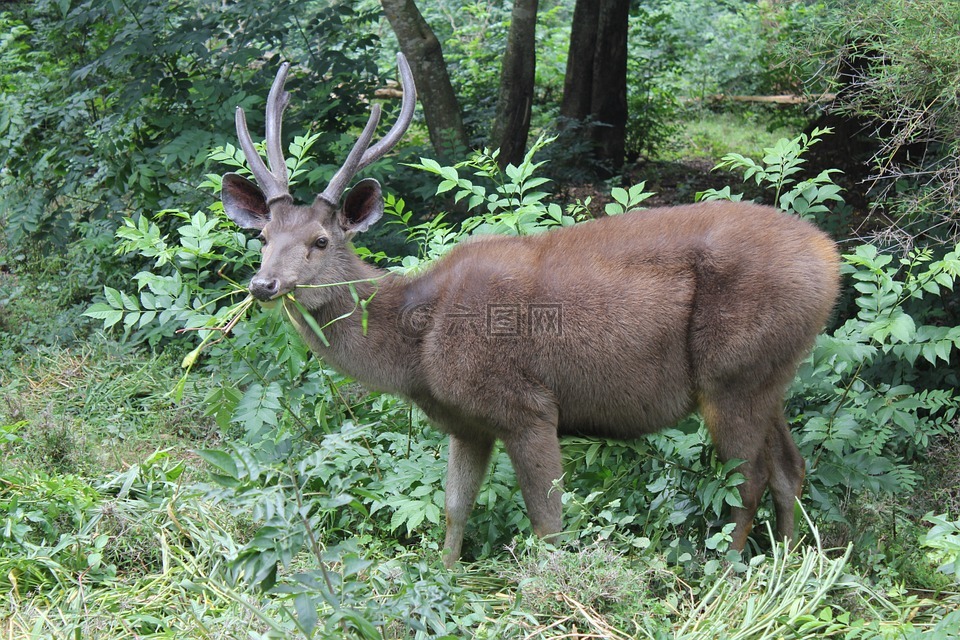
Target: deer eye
321 242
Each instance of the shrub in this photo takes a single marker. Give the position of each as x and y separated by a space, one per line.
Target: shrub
896 78
151 87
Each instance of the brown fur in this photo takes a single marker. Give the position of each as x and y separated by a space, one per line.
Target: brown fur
661 312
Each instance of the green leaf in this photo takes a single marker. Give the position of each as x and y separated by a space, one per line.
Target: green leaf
429 164
219 459
306 613
902 327
944 280
105 312
942 349
613 209
620 195
113 297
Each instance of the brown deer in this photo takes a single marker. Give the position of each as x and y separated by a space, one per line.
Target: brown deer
616 327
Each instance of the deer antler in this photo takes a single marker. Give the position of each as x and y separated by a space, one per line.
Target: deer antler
361 156
273 181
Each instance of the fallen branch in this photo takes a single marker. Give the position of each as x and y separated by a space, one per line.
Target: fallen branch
780 99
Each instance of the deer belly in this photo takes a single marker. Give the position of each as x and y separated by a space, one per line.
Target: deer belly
627 416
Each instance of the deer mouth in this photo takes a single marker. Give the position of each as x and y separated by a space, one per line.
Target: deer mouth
265 289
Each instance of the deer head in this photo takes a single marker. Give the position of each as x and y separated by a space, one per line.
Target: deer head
306 244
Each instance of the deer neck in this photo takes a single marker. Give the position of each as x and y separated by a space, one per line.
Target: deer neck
363 340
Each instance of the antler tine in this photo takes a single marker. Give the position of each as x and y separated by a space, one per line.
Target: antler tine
272 181
362 155
407 108
277 102
352 164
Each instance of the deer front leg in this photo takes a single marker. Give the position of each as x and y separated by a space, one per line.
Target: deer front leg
466 467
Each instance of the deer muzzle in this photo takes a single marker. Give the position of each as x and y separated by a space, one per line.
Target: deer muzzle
265 288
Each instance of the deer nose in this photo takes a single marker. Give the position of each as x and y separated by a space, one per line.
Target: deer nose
264 289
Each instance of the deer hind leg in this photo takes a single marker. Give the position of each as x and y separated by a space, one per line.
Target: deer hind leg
786 476
467 464
741 430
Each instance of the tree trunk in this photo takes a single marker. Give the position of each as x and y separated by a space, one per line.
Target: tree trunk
609 96
595 85
422 49
578 81
517 76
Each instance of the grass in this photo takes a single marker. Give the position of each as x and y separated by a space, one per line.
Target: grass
704 134
97 407
809 592
112 539
133 567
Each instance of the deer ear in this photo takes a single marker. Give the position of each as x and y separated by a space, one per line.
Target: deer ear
362 207
243 202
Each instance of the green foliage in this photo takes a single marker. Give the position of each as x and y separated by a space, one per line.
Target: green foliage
169 555
626 199
355 487
474 36
57 527
652 104
865 417
710 47
196 276
151 87
944 540
670 492
44 522
780 165
684 54
507 199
